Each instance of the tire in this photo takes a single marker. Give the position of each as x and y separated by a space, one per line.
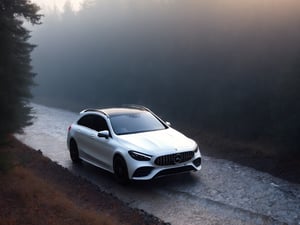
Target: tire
74 152
120 170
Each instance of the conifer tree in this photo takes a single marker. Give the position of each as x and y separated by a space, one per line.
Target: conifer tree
16 76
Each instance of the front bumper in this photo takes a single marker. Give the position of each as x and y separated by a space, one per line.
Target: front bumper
146 170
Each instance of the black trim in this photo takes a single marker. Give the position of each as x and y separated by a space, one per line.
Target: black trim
182 169
197 162
143 171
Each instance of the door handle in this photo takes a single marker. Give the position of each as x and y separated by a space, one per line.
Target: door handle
93 136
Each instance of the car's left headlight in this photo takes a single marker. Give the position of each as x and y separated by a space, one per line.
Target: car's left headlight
139 156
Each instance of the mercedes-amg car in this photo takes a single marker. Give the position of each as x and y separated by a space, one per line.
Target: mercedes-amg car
132 143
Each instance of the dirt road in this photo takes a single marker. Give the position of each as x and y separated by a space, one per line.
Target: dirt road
221 193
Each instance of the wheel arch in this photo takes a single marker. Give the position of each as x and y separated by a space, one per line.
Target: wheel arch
122 178
71 139
118 154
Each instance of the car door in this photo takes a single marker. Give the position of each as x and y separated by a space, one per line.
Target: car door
83 136
101 149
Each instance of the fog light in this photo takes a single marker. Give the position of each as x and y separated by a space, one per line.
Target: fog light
197 162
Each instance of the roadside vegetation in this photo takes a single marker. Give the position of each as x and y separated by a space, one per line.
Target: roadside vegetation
34 190
16 76
26 198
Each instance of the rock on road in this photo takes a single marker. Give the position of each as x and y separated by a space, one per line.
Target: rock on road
221 193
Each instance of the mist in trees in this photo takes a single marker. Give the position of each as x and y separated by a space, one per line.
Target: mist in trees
16 76
229 67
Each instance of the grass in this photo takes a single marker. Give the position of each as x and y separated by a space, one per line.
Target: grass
34 190
28 199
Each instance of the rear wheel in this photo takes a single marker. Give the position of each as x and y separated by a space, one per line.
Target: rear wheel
120 170
74 152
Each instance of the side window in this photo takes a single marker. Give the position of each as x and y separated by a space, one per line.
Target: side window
100 123
86 121
94 122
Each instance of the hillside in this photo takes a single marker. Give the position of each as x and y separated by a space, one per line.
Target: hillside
35 190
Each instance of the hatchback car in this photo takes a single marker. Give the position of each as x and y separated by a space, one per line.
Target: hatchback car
132 143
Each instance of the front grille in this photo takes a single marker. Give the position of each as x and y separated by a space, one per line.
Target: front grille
173 159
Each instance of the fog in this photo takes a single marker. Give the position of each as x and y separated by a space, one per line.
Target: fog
226 66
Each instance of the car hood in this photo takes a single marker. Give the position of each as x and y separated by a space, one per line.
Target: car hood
158 142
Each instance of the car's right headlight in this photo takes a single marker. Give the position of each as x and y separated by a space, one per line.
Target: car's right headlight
139 156
196 149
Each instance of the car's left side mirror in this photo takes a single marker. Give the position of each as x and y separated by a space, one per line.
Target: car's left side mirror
104 133
168 123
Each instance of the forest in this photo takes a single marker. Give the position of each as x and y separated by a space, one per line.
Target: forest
232 73
16 75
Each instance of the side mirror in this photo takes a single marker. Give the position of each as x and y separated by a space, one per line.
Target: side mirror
103 133
168 123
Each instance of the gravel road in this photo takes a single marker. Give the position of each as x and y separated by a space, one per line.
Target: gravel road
221 193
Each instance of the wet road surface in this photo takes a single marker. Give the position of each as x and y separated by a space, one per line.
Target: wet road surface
221 193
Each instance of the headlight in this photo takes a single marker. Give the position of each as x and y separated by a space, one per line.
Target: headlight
139 156
196 149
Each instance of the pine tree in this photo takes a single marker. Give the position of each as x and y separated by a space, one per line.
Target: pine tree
16 76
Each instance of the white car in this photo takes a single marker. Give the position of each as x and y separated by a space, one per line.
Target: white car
132 143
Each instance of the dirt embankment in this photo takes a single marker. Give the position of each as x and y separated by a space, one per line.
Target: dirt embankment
260 155
35 190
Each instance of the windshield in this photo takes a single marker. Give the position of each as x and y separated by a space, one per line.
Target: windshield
135 122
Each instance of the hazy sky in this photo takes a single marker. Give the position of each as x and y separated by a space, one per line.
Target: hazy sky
59 5
222 5
132 46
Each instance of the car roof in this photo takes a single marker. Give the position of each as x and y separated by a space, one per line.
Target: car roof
116 110
120 111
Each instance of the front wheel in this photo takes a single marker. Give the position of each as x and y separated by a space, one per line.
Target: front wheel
74 152
120 170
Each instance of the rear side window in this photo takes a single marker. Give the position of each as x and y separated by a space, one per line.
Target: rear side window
94 122
86 121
